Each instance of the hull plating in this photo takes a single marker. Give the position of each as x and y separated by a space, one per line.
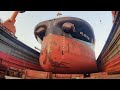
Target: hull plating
65 55
10 61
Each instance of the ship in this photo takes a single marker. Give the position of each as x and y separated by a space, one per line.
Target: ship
15 56
109 58
67 46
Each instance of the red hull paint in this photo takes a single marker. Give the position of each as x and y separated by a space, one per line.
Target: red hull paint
112 66
10 61
66 55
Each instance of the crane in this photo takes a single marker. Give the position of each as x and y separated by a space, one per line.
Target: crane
59 13
114 14
9 24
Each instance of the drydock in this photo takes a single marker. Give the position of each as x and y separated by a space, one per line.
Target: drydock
19 61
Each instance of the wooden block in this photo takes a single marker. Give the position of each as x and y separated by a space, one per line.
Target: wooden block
100 75
61 76
36 74
77 76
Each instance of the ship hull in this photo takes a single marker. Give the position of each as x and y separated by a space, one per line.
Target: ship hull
15 54
66 55
15 63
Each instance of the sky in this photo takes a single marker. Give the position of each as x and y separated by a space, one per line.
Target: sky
101 22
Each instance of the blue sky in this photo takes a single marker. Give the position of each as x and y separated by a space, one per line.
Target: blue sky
101 21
